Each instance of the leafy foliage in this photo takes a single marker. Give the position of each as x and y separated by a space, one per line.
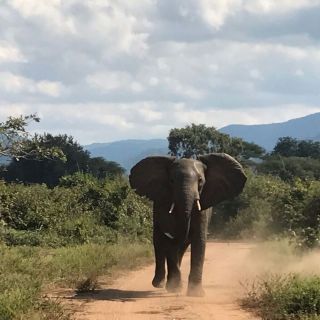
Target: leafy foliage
292 158
195 140
26 271
290 168
101 169
80 210
291 147
270 207
49 171
289 297
15 140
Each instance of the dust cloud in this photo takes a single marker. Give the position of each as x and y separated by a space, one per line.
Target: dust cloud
280 257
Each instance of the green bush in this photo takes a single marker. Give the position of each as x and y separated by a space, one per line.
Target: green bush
271 207
289 297
26 272
80 210
95 225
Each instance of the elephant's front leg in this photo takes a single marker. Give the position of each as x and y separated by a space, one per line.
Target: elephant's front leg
160 257
198 246
174 283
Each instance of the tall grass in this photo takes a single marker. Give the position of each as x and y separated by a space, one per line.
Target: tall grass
285 297
26 273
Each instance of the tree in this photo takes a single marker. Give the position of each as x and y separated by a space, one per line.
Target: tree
286 146
290 168
309 148
101 168
29 169
15 140
49 171
195 140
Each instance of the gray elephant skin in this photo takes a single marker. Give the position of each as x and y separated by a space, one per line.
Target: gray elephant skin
183 192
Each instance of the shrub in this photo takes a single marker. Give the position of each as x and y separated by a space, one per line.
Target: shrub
289 297
81 210
26 272
270 207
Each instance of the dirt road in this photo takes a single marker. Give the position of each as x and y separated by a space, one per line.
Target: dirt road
133 297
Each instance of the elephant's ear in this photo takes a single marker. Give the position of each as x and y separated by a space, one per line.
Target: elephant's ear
225 179
150 177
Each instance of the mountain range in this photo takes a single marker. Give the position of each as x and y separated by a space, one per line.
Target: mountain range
128 152
266 135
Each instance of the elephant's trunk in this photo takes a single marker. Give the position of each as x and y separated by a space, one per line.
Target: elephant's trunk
182 212
183 228
185 200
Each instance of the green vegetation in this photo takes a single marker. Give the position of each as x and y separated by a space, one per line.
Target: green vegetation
291 159
66 236
195 140
270 207
66 218
26 272
291 147
80 210
77 220
287 297
290 168
29 169
15 139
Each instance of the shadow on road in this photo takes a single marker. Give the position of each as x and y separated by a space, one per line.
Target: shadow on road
116 295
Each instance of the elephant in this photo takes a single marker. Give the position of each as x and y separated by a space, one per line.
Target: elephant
183 192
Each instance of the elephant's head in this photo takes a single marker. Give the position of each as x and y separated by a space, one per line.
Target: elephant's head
179 187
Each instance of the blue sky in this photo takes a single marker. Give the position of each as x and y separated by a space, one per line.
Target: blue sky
104 70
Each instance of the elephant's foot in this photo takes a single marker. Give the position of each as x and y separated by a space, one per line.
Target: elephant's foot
158 282
174 285
195 290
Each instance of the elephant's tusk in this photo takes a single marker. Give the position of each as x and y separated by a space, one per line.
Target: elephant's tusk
169 235
171 208
198 205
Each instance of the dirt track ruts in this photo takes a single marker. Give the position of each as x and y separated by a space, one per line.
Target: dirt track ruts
133 297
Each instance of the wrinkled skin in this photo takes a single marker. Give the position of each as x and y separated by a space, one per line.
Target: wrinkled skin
183 192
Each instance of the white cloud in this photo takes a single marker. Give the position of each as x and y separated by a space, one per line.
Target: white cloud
103 70
278 6
14 84
10 53
215 12
48 12
53 89
108 80
115 26
256 74
107 122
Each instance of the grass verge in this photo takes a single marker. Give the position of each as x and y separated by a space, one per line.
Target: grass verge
285 297
27 272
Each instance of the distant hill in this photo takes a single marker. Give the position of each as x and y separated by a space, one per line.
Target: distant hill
128 152
266 135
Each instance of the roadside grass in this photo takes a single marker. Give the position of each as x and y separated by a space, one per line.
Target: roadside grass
26 273
284 297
